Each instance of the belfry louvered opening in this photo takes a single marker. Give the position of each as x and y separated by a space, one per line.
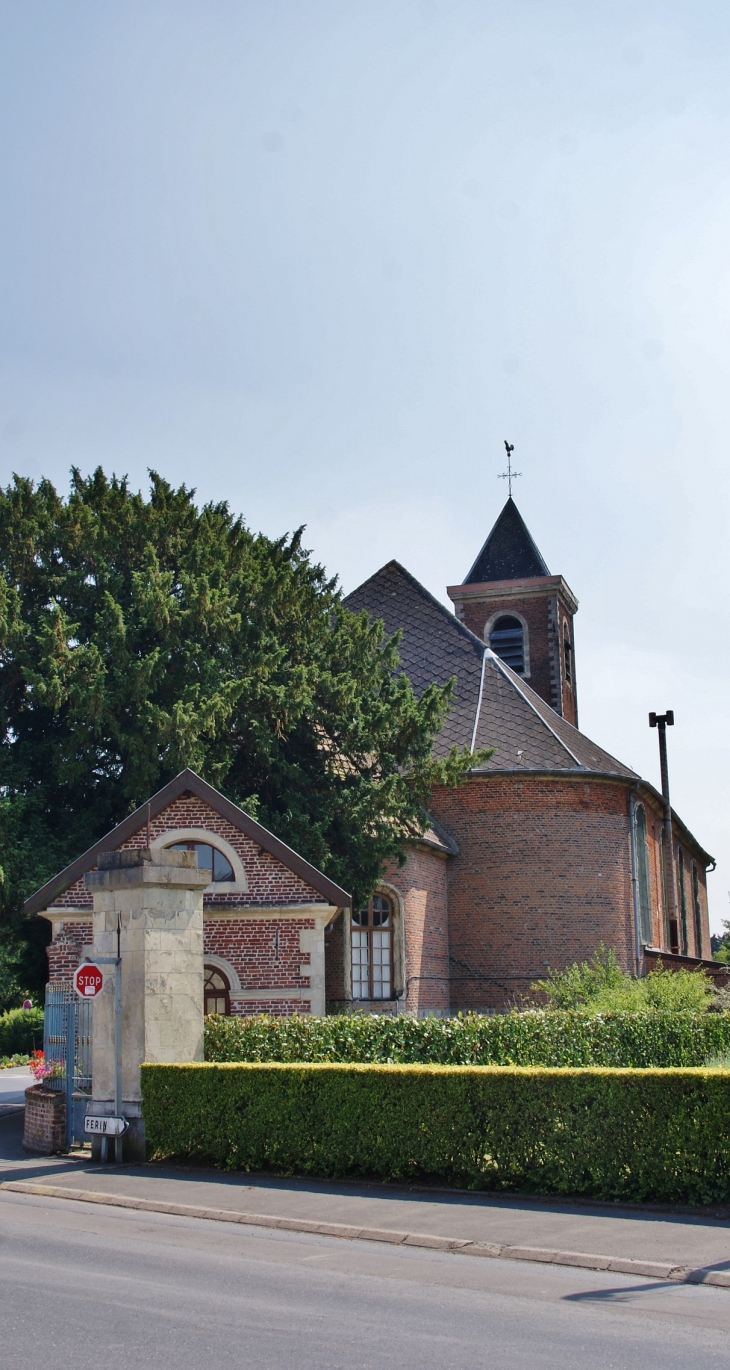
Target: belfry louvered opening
508 641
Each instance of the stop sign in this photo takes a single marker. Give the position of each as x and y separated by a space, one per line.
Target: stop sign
88 980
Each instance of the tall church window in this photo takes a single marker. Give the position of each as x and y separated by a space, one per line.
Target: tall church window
642 861
507 639
682 901
372 949
568 655
697 909
209 859
216 991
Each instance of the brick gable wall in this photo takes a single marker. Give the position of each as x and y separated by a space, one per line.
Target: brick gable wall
270 883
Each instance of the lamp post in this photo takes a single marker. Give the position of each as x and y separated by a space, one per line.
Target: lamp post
662 722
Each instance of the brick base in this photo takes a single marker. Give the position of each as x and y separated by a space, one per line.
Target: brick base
45 1120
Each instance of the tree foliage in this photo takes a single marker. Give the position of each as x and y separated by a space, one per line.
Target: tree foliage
139 636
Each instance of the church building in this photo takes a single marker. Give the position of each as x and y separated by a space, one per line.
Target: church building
549 848
552 846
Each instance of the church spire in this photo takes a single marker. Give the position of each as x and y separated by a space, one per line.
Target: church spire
509 552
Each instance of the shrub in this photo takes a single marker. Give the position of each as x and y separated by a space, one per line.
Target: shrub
538 1037
611 1134
600 986
21 1031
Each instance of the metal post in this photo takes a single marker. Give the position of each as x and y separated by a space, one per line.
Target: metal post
70 1070
660 722
118 1049
116 962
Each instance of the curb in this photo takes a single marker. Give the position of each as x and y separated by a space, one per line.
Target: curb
658 1270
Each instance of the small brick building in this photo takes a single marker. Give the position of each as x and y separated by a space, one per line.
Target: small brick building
549 848
265 912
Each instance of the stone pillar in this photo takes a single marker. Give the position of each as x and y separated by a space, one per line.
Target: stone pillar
156 897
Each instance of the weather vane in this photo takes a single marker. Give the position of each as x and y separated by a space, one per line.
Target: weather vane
509 474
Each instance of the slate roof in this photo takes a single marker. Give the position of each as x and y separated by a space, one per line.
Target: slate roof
491 706
509 552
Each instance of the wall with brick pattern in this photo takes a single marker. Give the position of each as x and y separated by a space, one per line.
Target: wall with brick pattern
71 942
543 877
265 953
545 616
44 1127
269 881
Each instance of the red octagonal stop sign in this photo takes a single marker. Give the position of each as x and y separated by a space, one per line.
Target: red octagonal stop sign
88 980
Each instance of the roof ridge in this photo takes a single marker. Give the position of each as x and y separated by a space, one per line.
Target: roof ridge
513 680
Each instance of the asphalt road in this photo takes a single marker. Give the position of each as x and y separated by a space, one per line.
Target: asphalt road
84 1287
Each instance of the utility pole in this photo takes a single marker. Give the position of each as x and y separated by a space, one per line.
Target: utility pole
662 721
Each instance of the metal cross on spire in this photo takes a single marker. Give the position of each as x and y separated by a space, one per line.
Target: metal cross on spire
509 474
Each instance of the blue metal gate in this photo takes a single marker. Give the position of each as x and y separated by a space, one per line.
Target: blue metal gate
67 1039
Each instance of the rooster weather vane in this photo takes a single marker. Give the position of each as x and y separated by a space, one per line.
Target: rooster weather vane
509 474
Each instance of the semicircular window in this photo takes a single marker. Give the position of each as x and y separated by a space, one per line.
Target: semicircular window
209 859
508 641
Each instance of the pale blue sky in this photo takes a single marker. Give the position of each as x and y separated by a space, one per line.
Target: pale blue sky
320 259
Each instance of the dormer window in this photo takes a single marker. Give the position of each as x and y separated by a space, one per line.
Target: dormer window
508 641
209 859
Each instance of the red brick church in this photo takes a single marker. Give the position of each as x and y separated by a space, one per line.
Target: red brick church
548 849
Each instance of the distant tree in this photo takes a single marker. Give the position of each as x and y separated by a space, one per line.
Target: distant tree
139 636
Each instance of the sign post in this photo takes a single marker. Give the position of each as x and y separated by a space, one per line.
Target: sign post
88 982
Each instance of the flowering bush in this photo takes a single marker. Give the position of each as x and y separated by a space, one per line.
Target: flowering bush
43 1069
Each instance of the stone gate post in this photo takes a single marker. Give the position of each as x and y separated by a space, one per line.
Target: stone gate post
156 898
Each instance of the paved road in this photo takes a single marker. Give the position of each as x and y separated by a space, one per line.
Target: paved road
13 1084
87 1287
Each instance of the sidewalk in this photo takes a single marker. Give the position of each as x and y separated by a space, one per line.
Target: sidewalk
661 1244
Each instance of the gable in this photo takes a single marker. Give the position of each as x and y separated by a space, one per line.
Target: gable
273 874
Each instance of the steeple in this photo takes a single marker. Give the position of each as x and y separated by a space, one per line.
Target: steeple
509 552
511 601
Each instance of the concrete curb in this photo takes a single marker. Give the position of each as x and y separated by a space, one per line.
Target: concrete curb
656 1270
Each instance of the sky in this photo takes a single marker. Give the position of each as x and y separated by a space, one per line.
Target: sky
320 260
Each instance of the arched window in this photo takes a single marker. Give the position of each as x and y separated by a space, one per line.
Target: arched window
682 901
646 922
372 949
216 991
507 639
697 909
567 655
209 859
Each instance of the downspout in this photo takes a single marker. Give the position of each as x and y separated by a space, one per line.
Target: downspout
635 878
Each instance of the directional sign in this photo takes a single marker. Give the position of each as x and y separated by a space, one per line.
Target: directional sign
88 980
105 1127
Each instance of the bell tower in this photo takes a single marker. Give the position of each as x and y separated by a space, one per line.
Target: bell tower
511 601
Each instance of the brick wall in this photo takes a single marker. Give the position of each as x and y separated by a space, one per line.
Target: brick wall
265 953
44 1128
544 875
269 881
71 942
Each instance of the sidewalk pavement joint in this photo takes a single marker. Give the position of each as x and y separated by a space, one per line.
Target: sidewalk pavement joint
655 1270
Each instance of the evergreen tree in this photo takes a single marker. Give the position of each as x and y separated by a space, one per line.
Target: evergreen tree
138 637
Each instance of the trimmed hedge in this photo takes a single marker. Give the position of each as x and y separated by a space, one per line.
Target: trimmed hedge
534 1038
21 1031
610 1134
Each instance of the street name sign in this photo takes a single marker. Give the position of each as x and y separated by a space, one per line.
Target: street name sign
88 980
104 1127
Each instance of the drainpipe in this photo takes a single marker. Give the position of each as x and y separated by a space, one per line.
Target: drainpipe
635 878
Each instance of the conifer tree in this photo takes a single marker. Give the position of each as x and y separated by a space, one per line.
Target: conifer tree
139 636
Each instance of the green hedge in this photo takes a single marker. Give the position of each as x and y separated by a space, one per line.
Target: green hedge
610 1134
21 1031
539 1037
